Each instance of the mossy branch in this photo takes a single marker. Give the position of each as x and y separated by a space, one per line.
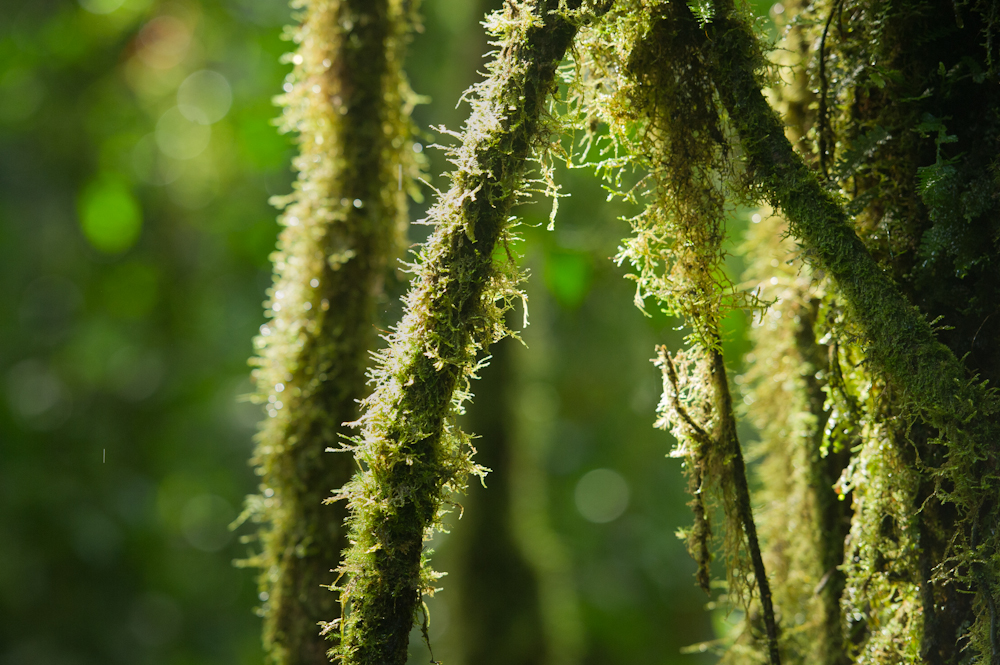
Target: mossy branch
410 450
900 341
348 103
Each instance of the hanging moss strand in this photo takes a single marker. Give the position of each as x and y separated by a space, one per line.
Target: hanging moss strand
411 453
665 123
348 104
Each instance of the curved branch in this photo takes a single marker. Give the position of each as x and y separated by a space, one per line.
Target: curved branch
901 341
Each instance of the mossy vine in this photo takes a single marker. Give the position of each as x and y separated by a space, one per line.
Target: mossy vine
411 451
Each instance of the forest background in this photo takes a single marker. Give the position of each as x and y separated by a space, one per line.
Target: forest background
134 242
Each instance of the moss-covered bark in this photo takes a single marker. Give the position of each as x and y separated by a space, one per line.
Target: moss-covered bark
925 472
881 411
902 341
804 521
348 103
888 416
410 450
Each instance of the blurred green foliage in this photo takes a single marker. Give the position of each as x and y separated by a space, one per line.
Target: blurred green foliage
137 155
136 159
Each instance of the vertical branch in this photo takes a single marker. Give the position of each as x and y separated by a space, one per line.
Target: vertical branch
410 450
348 103
803 522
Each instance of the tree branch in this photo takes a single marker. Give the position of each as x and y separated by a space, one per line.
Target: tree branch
410 450
900 341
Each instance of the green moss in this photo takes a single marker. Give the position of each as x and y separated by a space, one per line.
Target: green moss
664 123
881 412
927 450
348 103
878 441
411 452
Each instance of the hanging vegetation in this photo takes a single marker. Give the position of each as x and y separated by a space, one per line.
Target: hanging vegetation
878 431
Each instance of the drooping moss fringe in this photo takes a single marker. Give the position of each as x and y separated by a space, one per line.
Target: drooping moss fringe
664 118
700 536
411 453
715 459
348 103
900 342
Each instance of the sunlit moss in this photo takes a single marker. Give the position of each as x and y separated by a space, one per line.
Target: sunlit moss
348 104
645 76
410 449
877 441
880 411
916 423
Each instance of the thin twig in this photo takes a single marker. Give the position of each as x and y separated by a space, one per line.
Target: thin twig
823 87
730 442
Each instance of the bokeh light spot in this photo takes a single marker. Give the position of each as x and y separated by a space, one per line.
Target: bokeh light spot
180 137
204 97
37 395
163 42
601 496
110 216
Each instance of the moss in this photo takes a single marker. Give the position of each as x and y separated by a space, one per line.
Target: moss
884 413
665 124
348 104
932 451
411 453
878 409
